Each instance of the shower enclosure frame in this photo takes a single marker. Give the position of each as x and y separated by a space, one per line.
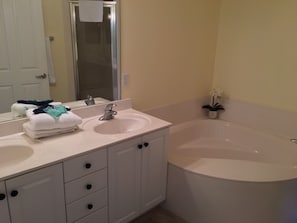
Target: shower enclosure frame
115 46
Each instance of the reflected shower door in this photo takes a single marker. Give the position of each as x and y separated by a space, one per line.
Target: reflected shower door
94 56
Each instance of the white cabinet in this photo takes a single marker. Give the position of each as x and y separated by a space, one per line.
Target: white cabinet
137 176
86 188
124 175
4 212
37 196
154 171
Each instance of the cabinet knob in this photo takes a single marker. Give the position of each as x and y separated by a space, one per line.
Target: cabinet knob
146 144
139 146
88 165
14 193
89 186
90 206
2 197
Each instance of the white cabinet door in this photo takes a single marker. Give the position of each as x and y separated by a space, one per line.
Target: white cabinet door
137 176
154 170
4 213
37 196
22 52
124 167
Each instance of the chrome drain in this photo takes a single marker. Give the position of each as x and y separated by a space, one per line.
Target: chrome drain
293 141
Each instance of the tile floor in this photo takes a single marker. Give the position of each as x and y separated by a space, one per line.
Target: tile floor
158 215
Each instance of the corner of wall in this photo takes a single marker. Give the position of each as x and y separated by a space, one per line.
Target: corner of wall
180 112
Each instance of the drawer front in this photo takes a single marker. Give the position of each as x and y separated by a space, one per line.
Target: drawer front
86 205
99 216
84 165
81 187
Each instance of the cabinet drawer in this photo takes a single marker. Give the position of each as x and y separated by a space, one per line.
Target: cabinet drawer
85 164
96 217
85 185
86 205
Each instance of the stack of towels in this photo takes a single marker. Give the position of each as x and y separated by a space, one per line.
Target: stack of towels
50 120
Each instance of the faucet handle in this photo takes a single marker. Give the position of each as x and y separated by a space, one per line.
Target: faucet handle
108 112
110 106
89 100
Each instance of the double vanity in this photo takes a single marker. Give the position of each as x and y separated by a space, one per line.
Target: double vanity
107 171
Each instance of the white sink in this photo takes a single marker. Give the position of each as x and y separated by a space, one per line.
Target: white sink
12 154
121 124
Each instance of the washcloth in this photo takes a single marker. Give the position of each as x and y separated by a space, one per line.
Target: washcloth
54 111
46 122
41 109
34 102
45 133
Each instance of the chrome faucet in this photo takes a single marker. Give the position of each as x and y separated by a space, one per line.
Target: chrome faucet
89 100
108 112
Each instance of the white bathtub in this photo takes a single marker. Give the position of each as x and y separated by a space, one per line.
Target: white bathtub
220 172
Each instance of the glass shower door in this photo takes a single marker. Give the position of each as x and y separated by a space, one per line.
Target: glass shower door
95 46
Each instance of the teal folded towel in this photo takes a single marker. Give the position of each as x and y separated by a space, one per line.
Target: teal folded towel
56 111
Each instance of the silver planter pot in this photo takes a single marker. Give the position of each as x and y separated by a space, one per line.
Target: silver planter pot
213 114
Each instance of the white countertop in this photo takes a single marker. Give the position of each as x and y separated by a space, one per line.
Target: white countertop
54 149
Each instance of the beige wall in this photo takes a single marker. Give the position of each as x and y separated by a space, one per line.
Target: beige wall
57 25
256 58
168 49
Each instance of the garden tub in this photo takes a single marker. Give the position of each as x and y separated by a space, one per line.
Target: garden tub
221 172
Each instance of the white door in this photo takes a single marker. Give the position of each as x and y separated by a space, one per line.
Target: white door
22 52
124 170
4 213
154 170
37 197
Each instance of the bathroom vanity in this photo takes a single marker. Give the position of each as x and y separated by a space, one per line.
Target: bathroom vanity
86 176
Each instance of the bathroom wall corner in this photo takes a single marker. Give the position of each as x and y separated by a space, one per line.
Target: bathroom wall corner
180 112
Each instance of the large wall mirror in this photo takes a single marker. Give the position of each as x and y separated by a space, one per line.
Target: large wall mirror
47 52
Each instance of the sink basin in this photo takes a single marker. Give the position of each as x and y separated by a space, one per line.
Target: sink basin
119 125
11 154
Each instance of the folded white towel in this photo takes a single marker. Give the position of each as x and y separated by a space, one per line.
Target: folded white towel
44 121
19 109
45 133
90 11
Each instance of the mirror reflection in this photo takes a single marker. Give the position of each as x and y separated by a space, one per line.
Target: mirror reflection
47 52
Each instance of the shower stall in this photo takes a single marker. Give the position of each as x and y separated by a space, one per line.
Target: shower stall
96 53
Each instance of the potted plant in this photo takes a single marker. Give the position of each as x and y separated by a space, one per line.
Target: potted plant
214 107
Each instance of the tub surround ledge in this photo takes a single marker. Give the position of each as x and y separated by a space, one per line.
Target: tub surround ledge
273 121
